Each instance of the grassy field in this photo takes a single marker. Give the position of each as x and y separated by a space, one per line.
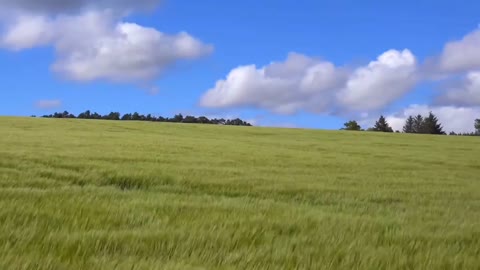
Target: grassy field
81 194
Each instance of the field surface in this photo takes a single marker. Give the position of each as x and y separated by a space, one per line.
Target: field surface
82 194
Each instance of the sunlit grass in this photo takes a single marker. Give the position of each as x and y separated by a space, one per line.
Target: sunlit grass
79 194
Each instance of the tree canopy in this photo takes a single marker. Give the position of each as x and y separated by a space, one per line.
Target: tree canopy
382 125
420 124
431 125
352 125
409 126
423 125
179 118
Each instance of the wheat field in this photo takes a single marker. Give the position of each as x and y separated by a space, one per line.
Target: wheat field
92 194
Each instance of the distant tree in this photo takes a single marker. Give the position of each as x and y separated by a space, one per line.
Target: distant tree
418 124
237 122
431 125
127 117
153 118
65 114
135 116
352 125
216 121
189 119
409 126
452 133
477 126
203 120
140 117
112 116
382 125
178 118
96 116
85 115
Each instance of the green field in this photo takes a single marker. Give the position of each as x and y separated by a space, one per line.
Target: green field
91 194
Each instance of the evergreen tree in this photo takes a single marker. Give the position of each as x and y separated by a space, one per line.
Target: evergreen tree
409 125
418 126
431 125
382 125
477 126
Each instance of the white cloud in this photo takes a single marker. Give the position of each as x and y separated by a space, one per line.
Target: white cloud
303 83
27 32
458 119
48 104
94 45
466 93
461 55
381 82
282 87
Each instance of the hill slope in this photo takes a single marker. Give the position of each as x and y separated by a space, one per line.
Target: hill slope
115 195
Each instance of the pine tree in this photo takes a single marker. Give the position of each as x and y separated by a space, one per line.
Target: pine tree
382 125
409 125
431 125
477 126
418 126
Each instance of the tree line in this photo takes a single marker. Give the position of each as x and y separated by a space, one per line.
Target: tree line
413 124
178 118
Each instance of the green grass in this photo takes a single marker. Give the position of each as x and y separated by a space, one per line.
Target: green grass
79 194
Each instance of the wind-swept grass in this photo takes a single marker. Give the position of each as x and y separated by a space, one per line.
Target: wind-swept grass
79 194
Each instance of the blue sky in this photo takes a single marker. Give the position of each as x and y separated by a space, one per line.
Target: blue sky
347 34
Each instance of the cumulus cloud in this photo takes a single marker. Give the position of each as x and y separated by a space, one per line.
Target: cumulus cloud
303 83
48 104
458 119
27 32
285 87
380 82
97 45
465 93
461 55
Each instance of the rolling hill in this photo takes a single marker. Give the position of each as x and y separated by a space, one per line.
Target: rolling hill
83 194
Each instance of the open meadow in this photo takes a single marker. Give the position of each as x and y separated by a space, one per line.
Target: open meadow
94 194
